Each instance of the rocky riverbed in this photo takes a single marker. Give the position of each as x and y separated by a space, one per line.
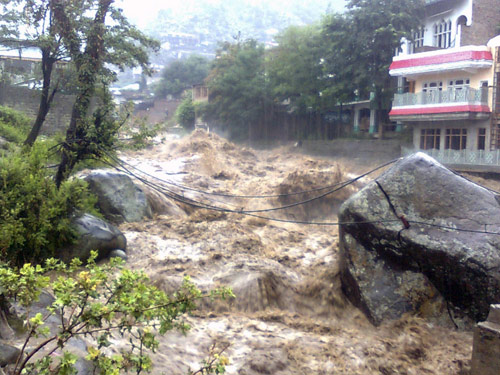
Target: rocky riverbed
290 315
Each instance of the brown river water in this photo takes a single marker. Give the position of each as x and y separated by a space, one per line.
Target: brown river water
290 315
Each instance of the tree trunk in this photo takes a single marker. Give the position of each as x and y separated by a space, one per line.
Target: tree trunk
45 99
88 70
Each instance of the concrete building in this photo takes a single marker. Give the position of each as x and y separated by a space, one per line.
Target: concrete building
448 83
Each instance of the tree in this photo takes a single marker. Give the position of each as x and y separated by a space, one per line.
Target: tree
181 75
238 87
294 68
36 20
339 63
43 25
371 32
92 42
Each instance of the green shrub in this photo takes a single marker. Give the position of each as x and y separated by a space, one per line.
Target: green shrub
35 219
14 126
185 113
98 302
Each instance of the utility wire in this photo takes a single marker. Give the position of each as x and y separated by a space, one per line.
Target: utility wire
349 182
253 196
253 213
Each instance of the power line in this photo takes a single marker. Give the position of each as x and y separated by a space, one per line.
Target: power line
349 182
183 187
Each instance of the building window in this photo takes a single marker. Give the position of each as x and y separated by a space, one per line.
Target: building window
456 139
442 34
481 138
432 86
418 39
432 92
430 139
458 90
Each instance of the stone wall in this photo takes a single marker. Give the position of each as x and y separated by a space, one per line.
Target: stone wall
485 21
27 101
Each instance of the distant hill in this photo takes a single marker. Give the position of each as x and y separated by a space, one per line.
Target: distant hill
197 25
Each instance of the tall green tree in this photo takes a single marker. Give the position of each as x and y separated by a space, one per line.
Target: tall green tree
60 30
181 75
100 36
367 37
239 97
295 68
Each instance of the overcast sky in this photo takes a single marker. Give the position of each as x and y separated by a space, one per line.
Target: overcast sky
141 12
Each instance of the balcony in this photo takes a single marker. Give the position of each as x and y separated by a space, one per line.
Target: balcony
468 58
467 103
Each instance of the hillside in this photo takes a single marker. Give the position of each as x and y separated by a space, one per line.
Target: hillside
197 26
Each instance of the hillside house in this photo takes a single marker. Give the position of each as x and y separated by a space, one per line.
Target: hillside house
448 83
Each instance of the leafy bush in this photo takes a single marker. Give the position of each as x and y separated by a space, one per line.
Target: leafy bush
185 113
14 126
97 302
35 219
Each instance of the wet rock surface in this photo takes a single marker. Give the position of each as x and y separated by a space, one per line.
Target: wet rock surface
93 234
388 269
118 198
8 354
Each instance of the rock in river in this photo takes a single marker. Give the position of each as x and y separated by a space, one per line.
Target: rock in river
389 268
94 234
118 198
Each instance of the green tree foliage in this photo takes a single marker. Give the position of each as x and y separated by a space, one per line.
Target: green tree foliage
63 30
180 75
35 219
185 113
30 24
339 63
238 87
362 42
101 36
295 69
97 302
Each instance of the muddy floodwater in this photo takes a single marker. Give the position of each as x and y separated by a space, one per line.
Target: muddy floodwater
289 315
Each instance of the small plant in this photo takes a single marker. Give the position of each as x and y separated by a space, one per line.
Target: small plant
96 302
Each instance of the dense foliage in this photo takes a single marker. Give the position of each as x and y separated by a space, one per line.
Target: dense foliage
185 113
14 126
180 75
97 302
295 69
35 219
238 87
313 68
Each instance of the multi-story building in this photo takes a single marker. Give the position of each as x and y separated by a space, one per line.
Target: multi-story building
448 82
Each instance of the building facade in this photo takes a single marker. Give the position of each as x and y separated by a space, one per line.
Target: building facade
448 82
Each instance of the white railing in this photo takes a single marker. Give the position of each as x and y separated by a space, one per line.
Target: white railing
465 95
465 157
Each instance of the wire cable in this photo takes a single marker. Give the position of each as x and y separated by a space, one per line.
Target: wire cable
254 196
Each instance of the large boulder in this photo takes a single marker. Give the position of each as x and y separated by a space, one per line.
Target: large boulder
93 234
390 265
118 198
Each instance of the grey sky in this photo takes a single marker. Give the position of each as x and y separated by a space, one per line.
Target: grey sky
142 12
